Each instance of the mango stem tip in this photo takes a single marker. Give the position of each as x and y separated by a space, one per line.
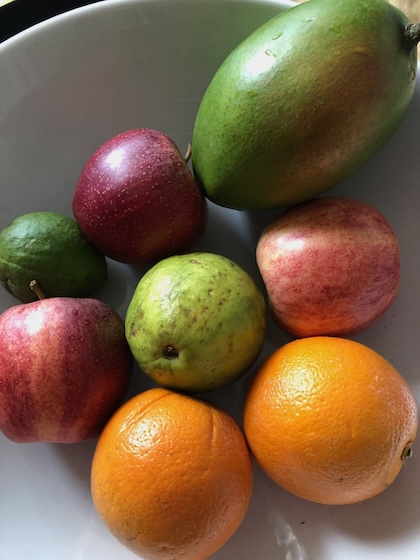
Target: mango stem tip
412 33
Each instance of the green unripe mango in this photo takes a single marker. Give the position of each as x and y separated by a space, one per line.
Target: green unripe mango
303 102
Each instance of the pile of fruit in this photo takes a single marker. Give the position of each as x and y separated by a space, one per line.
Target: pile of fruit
172 473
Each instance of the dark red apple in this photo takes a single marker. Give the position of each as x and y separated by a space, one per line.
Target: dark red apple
65 367
136 199
330 266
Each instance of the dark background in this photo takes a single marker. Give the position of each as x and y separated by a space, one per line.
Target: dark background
21 14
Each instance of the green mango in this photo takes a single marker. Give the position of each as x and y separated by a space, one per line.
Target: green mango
303 102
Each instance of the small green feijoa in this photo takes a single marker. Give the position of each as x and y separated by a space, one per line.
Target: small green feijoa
50 248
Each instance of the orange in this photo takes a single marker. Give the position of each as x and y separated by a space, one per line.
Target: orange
171 476
330 420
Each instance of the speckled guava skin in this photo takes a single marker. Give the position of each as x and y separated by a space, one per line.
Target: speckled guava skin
196 322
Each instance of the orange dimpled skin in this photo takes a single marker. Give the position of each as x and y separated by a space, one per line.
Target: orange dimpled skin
330 420
171 476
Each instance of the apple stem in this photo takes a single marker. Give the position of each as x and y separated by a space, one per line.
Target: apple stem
188 154
33 284
412 33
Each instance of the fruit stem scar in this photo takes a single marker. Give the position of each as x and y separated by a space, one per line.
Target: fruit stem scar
412 33
407 452
33 284
170 352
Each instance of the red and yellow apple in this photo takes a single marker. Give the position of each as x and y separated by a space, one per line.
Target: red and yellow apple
65 367
331 266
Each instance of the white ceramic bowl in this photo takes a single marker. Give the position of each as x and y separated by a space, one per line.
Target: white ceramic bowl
66 86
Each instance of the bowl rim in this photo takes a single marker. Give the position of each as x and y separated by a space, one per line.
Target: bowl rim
71 16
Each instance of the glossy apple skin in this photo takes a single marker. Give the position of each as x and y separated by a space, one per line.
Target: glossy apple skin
330 266
136 199
65 367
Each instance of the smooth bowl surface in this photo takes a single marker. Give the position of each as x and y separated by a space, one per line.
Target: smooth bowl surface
66 86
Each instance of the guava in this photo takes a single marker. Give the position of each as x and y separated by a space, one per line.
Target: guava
196 322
